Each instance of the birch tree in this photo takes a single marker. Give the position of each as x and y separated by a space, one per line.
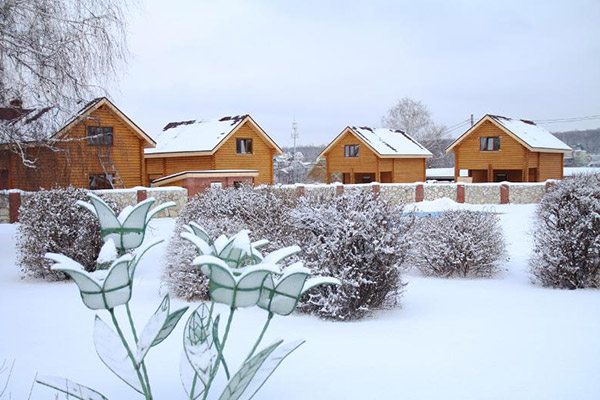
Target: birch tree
55 55
414 118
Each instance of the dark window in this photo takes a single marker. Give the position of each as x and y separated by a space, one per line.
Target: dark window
351 150
101 181
501 177
243 146
489 143
100 135
237 184
367 178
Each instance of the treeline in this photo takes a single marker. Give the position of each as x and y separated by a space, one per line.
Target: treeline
310 153
588 140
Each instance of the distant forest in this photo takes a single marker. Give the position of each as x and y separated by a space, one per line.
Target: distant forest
588 140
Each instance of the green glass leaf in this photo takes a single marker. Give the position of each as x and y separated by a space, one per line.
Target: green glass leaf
200 232
70 388
255 371
198 343
169 325
153 329
113 354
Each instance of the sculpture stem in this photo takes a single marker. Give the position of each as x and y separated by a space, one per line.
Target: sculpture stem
260 337
147 394
220 353
135 337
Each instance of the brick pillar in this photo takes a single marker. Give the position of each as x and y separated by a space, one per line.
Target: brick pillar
504 194
300 190
419 193
339 190
14 203
375 189
549 185
460 193
141 195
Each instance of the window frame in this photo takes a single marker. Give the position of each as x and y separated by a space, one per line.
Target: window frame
107 135
351 150
489 143
242 148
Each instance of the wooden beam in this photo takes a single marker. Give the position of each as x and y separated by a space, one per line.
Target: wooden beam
490 174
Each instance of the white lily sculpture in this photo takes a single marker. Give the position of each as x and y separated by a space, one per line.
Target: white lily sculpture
236 251
129 227
281 296
103 289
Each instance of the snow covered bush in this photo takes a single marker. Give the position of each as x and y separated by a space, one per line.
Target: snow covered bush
222 211
566 252
357 238
51 222
458 243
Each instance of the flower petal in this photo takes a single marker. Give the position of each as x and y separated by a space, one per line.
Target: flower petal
325 280
222 284
279 255
158 209
203 246
117 286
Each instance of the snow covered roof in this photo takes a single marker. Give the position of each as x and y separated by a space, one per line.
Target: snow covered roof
210 173
532 136
200 136
385 142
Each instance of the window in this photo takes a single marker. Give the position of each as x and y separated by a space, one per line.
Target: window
216 185
489 143
243 146
100 135
101 181
237 184
351 150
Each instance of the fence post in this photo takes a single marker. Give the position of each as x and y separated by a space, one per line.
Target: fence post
504 194
460 193
141 195
339 190
375 189
419 193
300 190
14 203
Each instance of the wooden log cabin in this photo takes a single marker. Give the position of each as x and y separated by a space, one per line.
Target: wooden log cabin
99 148
498 149
223 152
363 155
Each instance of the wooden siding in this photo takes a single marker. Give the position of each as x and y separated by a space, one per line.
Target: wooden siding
261 158
511 156
408 170
76 160
402 170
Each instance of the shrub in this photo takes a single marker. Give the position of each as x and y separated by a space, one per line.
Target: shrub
357 238
566 251
458 243
52 222
222 211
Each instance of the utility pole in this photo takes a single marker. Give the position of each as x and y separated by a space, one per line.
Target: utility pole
295 135
472 123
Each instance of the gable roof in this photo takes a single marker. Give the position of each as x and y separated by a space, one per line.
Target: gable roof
202 137
386 143
93 106
530 135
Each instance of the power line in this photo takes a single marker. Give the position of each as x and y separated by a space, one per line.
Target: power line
565 120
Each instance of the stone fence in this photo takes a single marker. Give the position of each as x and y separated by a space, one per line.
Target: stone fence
472 193
10 200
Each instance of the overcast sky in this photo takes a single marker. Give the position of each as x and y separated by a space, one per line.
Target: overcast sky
331 64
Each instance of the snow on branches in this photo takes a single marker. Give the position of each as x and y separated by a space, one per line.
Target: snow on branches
458 243
566 252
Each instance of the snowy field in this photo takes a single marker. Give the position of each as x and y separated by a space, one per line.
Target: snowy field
501 338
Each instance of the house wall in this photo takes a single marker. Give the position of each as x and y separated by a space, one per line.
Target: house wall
261 158
159 167
74 161
551 166
402 169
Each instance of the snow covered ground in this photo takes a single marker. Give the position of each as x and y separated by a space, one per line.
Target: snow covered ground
501 338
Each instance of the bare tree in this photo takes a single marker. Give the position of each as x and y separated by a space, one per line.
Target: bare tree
414 118
55 55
